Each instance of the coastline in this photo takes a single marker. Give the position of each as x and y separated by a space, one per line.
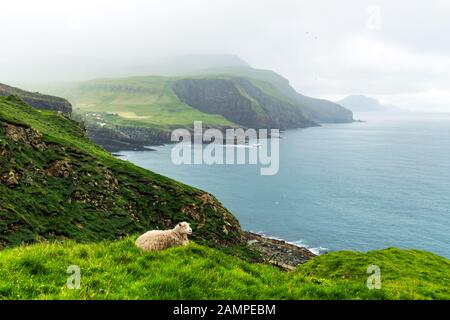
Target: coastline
284 255
275 251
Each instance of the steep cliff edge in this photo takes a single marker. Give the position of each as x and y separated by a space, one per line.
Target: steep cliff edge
317 110
239 101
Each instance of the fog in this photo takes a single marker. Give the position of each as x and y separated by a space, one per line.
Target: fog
396 51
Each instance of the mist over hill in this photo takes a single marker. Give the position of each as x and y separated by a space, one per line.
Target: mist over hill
361 103
222 91
182 64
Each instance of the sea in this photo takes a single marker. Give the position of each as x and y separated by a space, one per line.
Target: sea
381 183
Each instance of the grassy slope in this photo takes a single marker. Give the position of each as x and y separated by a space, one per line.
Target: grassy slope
73 189
118 270
149 101
38 100
266 80
141 101
6 90
38 208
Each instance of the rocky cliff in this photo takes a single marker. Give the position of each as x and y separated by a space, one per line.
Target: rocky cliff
127 138
317 110
241 102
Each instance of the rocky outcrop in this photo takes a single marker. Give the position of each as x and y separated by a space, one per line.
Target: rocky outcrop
24 135
125 138
239 101
128 138
38 100
278 252
146 136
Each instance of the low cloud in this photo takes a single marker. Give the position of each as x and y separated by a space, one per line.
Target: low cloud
390 50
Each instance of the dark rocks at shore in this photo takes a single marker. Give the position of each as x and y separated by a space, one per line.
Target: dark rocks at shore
114 140
128 138
279 253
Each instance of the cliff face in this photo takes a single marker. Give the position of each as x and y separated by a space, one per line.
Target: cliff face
323 111
220 96
283 114
317 110
239 101
127 138
37 100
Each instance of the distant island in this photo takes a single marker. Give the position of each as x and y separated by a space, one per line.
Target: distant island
361 103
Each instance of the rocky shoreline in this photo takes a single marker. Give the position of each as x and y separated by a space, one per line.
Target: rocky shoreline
279 253
139 139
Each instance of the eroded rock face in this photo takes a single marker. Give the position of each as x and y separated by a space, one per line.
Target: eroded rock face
240 101
278 252
127 137
4 152
59 169
26 136
220 96
11 178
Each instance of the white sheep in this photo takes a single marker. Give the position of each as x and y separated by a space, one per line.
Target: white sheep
156 240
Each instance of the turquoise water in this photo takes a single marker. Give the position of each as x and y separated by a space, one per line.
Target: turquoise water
357 186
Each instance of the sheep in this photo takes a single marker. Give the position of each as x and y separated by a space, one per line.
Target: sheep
156 240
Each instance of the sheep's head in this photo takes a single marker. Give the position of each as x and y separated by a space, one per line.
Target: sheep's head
183 227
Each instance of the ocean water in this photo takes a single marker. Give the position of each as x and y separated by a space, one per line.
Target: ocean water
359 186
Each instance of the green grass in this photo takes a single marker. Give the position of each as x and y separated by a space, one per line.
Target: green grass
99 197
118 270
140 101
103 199
6 90
149 101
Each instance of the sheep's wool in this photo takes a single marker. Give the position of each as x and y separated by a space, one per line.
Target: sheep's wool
156 240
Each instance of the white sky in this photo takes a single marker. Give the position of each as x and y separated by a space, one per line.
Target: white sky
397 51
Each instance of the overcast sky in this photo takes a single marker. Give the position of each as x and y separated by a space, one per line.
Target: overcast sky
397 51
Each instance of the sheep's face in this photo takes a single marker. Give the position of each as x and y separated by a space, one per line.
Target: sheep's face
183 227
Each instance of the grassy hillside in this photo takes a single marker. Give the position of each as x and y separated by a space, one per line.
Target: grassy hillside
118 270
130 113
141 101
150 101
160 102
56 184
81 206
37 100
